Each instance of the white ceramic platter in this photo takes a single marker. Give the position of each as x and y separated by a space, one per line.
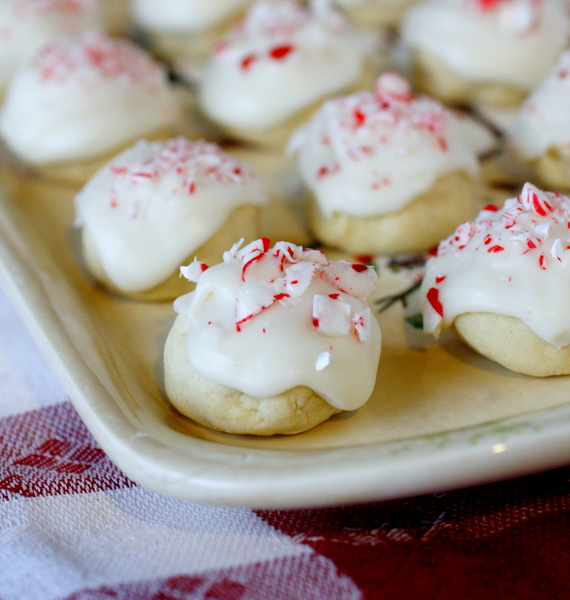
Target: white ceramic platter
440 417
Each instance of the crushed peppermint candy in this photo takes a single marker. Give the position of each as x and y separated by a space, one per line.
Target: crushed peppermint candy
522 225
324 359
285 272
355 126
279 21
270 30
534 225
96 55
195 163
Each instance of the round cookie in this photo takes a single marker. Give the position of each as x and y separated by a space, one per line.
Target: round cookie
27 25
158 205
540 131
378 163
82 98
272 340
277 64
479 50
501 282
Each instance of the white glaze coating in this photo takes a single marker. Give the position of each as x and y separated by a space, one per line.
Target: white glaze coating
80 97
512 261
278 60
184 16
155 203
543 121
512 42
267 320
26 25
371 153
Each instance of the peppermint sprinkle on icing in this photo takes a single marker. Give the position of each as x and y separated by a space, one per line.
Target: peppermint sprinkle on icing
95 55
284 273
356 125
522 225
274 26
191 165
483 261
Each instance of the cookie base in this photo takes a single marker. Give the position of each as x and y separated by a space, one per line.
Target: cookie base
228 410
511 343
420 225
553 168
434 78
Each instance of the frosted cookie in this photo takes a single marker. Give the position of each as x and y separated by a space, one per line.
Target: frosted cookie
376 13
273 340
502 282
388 172
493 51
186 30
81 98
540 133
26 25
156 206
277 64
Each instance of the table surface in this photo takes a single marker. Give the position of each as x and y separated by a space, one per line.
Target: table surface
73 526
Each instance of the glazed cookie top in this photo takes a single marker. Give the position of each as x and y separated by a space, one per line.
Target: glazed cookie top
154 204
279 59
543 121
26 25
184 15
512 261
512 42
266 320
80 97
371 153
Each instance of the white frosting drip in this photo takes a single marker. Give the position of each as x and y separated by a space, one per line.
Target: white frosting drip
184 16
278 60
267 320
512 42
371 153
26 25
513 261
543 121
154 204
82 97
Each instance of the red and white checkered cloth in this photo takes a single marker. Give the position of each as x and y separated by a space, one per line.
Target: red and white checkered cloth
73 526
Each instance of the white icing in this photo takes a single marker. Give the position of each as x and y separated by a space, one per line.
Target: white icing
256 325
512 261
155 203
184 16
82 97
371 153
278 60
513 42
543 121
26 25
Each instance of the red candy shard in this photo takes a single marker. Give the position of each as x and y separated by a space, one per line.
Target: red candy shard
433 298
280 52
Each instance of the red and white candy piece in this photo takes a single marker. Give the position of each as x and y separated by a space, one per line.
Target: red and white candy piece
285 272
